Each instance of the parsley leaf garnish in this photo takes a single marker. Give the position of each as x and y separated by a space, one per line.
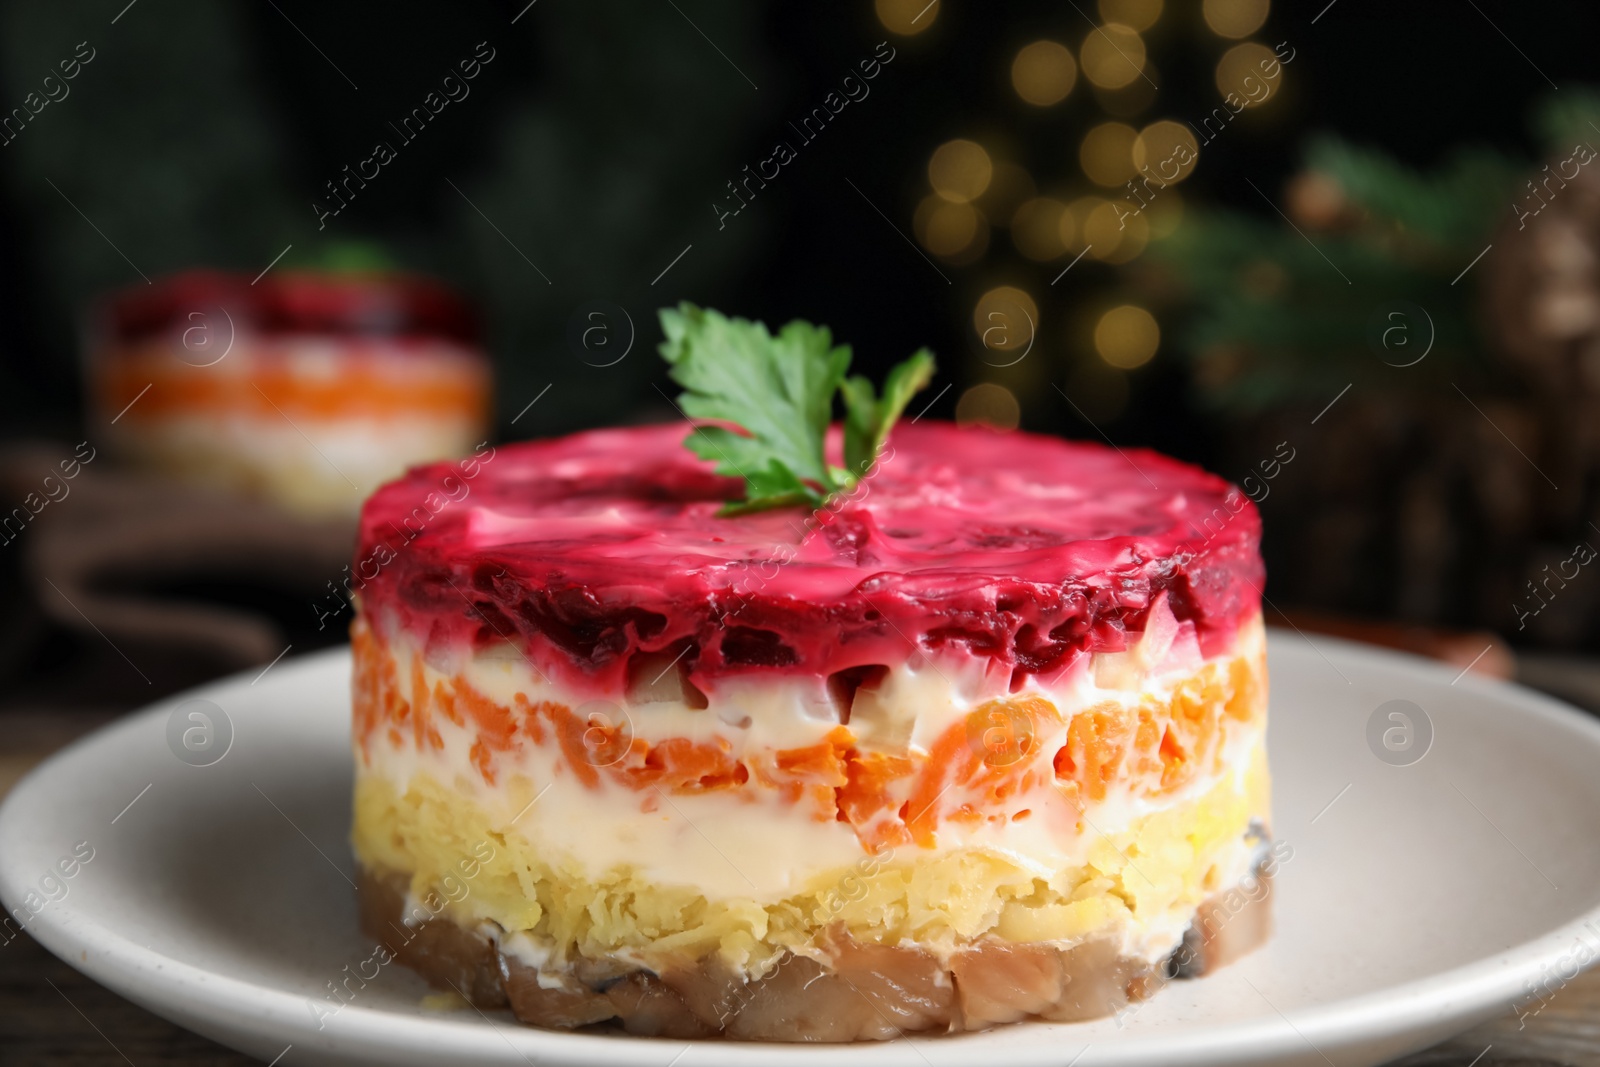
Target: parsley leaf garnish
779 391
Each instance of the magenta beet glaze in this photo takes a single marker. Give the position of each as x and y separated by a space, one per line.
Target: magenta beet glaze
586 550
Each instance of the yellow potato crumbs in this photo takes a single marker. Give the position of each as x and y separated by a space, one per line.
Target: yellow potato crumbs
1165 865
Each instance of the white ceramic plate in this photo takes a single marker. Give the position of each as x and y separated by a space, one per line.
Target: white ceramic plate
1419 899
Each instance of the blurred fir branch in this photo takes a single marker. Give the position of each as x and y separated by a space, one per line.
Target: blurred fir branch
1448 210
1564 121
1270 319
1273 322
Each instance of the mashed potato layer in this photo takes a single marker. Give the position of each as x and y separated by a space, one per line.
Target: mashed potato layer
1139 886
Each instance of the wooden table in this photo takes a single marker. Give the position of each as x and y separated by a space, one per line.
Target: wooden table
51 1014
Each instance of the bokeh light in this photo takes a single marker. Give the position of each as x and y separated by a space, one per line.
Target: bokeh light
1133 234
1130 100
960 170
1112 55
1164 214
1165 151
1127 337
1036 228
988 404
1109 229
1007 322
907 17
1242 72
1009 187
1235 18
1106 154
1315 200
1075 222
1135 14
1043 73
947 229
1067 230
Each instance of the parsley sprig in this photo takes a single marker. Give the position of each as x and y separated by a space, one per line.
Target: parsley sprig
779 391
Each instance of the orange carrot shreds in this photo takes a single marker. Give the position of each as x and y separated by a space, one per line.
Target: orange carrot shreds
444 698
529 717
1009 743
1005 733
1097 743
1246 698
1176 767
376 693
1162 746
966 813
812 774
823 762
1145 758
950 762
866 799
495 723
570 731
483 759
1066 767
685 766
977 768
364 699
421 707
1198 710
992 746
393 702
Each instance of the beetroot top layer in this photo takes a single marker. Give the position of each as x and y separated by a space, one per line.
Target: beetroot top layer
587 550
